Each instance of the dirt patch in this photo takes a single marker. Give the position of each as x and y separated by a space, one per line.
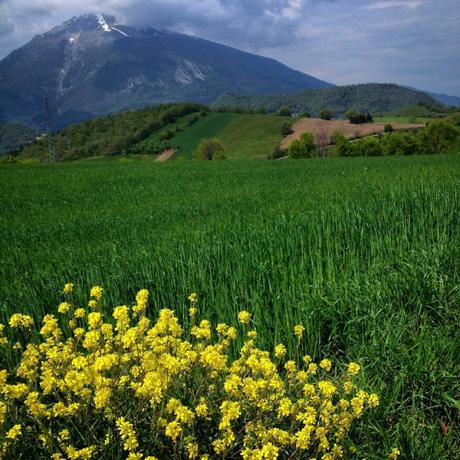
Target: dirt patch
324 128
166 155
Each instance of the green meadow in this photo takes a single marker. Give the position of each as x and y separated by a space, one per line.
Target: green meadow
243 136
363 252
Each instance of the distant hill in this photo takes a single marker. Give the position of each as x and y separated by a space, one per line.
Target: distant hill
371 97
14 136
91 66
451 101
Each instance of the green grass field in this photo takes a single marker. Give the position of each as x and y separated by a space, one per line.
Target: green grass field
243 136
364 252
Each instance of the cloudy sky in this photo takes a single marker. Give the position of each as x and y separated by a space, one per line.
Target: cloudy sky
410 42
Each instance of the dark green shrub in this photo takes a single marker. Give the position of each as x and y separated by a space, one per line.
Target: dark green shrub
277 153
388 128
286 129
325 114
355 117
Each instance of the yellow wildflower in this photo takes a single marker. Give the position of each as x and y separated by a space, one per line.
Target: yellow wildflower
280 351
394 454
68 288
373 400
173 430
14 432
326 365
354 368
298 331
63 308
244 317
19 320
96 292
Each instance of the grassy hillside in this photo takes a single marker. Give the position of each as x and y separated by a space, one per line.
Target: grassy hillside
243 136
208 127
364 253
372 97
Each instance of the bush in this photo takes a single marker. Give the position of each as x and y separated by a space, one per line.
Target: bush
91 387
166 135
441 136
286 129
277 152
302 148
210 149
355 117
388 128
401 143
325 114
337 137
369 147
305 115
285 112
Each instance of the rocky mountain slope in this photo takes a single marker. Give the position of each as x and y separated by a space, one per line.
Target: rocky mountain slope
90 65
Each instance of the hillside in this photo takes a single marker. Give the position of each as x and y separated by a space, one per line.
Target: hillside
117 134
243 136
150 131
90 66
14 136
371 97
452 101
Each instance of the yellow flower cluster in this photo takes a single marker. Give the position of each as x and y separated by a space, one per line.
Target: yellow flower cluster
88 387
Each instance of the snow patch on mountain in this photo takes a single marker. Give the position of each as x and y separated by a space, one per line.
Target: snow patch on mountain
120 31
102 22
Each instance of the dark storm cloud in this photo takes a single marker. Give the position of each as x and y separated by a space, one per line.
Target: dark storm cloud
412 42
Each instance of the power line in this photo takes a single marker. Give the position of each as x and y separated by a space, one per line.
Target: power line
52 154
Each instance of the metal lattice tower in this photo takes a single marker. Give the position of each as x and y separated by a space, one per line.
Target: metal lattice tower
52 154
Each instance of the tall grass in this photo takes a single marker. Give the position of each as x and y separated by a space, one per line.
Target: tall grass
363 252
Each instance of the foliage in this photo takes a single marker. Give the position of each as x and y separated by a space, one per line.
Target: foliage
277 152
388 128
364 253
325 114
285 112
440 136
437 138
302 148
95 387
116 134
356 117
286 129
209 149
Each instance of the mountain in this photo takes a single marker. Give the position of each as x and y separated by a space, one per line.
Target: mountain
369 97
451 101
90 65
